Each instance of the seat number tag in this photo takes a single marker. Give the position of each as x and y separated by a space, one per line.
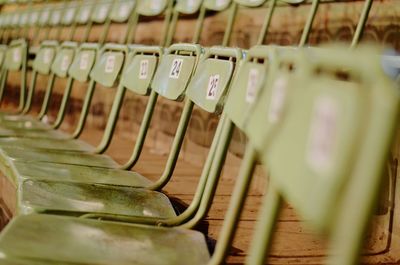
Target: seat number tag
278 98
322 135
84 62
176 68
110 64
212 88
144 69
47 56
252 82
65 63
16 55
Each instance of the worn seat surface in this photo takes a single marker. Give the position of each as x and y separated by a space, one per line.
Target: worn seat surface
82 241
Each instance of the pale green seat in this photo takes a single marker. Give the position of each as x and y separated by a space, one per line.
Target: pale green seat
329 150
39 237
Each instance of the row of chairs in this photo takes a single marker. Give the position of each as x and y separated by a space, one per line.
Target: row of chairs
298 107
325 123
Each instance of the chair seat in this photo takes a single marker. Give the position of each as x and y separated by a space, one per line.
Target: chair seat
12 154
78 173
23 122
83 241
34 133
51 144
43 196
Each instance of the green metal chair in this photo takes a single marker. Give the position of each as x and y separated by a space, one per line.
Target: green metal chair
15 61
330 169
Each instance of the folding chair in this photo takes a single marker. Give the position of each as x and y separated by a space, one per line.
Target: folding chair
15 61
101 16
332 165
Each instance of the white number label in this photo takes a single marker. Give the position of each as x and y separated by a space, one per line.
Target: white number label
65 63
278 98
176 68
47 56
212 88
16 55
84 61
251 91
144 69
110 63
322 137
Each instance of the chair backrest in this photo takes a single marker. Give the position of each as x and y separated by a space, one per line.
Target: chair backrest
85 12
44 16
140 67
247 83
188 6
3 51
56 15
216 5
45 57
64 58
83 62
16 61
122 10
101 11
209 85
70 14
108 67
151 8
16 55
175 70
